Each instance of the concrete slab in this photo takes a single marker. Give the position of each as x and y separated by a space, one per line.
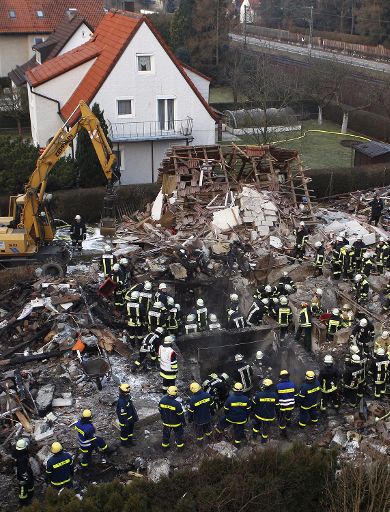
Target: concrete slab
44 398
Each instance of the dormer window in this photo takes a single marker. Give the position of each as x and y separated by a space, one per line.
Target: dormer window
12 14
40 14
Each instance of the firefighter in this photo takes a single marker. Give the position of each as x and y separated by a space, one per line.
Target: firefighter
377 206
149 347
261 366
381 255
301 237
286 279
235 320
308 399
88 441
329 381
264 405
260 292
315 305
162 294
352 378
288 289
136 315
304 326
383 341
174 318
168 363
367 264
201 315
191 325
334 324
362 335
172 416
359 248
349 264
157 316
127 415
213 322
287 392
379 370
59 467
336 261
119 292
236 413
284 317
24 473
146 295
346 316
362 288
126 271
256 313
386 293
78 233
274 308
319 259
199 411
108 261
234 302
217 387
243 373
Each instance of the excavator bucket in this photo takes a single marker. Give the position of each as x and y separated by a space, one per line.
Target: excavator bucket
108 218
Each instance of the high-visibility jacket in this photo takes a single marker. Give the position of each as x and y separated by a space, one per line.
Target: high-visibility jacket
150 342
305 318
108 261
201 316
286 394
329 378
320 257
125 410
382 253
315 306
367 266
190 328
283 280
86 433
309 394
156 318
200 407
284 316
334 324
235 320
171 412
379 368
301 237
168 362
59 469
359 247
173 318
264 404
161 297
353 376
346 319
214 326
362 288
243 374
237 408
135 314
256 313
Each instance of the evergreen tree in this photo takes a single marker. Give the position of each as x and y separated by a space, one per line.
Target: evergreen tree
181 26
88 166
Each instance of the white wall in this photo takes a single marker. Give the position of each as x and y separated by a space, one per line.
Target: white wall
45 119
250 14
200 83
15 50
81 36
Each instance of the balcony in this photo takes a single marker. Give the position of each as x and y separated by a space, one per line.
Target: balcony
151 130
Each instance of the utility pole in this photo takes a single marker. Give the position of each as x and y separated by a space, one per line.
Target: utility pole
217 45
245 8
311 30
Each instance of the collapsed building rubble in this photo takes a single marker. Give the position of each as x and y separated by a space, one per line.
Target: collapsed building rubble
222 222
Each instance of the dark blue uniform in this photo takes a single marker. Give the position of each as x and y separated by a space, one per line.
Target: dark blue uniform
199 411
59 470
172 416
88 441
264 407
286 397
308 399
127 416
237 408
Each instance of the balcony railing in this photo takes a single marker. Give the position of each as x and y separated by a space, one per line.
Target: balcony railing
150 130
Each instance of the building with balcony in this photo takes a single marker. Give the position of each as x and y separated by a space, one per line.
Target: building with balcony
150 99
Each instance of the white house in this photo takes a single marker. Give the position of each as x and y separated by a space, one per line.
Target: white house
249 9
150 99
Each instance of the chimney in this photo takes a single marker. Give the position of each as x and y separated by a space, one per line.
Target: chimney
71 12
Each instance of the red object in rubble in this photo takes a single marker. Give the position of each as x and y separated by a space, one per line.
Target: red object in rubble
108 287
325 317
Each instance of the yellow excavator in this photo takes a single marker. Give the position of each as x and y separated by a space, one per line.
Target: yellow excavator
27 234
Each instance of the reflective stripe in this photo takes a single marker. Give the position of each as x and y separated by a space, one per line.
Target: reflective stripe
166 406
289 390
61 483
62 463
236 422
239 404
264 419
204 401
313 390
170 425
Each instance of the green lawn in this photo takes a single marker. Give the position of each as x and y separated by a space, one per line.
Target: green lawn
223 95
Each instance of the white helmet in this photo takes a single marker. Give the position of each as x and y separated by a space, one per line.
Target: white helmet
191 317
319 291
288 288
385 334
328 359
380 351
354 349
158 305
162 286
355 358
238 357
335 311
381 239
134 295
124 261
169 339
359 237
177 306
170 301
346 307
160 330
213 318
259 355
363 322
339 239
21 444
283 300
147 286
301 223
234 297
224 376
265 301
366 255
275 300
107 248
200 303
285 274
116 267
78 217
317 245
358 277
268 288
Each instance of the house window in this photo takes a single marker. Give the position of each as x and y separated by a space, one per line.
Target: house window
125 107
40 14
166 113
144 63
12 14
38 40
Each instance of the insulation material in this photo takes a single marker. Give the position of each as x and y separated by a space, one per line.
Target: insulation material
226 219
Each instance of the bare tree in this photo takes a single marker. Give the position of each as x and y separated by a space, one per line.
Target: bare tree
234 70
14 104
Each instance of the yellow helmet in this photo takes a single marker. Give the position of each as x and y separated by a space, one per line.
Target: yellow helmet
194 387
238 386
310 374
172 391
56 447
87 413
267 383
125 388
283 373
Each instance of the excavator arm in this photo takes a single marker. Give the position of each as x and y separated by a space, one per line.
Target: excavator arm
33 198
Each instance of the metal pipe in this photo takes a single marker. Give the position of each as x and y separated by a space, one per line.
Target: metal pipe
47 98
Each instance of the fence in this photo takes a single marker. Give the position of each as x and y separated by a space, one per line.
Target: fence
340 46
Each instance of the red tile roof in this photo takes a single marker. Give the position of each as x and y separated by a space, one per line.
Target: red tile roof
27 21
109 41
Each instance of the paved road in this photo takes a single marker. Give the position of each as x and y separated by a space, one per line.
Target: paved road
319 54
